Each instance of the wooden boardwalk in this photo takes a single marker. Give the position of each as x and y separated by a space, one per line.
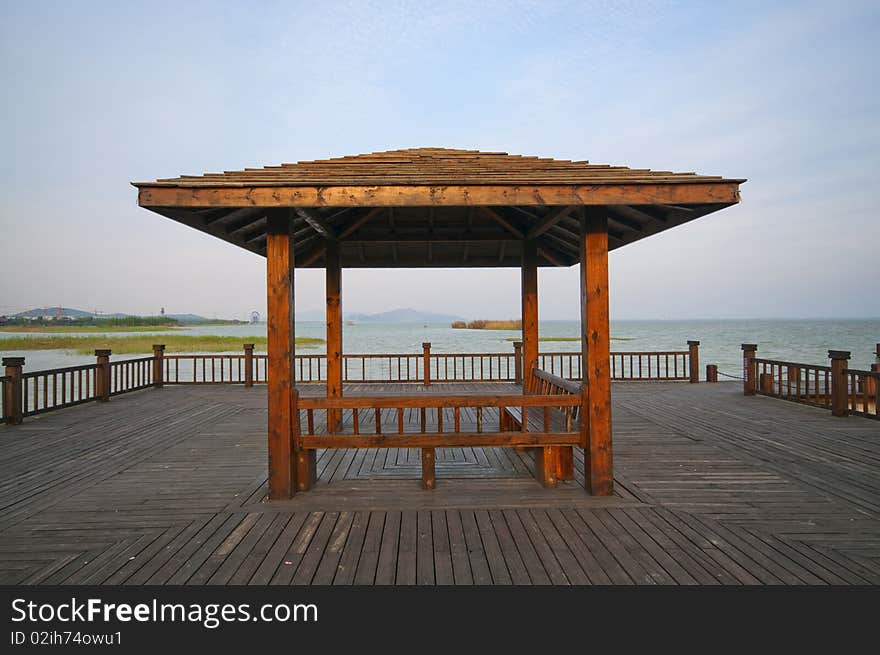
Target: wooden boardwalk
167 487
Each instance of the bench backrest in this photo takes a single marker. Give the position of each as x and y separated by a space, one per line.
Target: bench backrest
546 384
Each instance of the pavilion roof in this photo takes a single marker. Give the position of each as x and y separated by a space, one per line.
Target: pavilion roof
436 207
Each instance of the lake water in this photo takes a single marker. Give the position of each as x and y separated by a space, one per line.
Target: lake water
806 341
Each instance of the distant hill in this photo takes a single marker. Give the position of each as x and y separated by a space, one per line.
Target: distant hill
188 318
406 315
49 312
68 312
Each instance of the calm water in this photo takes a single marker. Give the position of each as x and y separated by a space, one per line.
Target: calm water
806 341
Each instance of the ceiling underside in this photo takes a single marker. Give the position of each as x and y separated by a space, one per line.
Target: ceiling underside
434 237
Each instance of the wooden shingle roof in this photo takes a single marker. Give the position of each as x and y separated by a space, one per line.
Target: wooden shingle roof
433 167
436 207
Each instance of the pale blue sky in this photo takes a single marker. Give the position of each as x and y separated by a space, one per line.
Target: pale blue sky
785 94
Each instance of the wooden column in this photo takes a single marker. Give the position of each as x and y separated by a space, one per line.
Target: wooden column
281 350
694 358
102 376
750 371
334 330
596 348
839 395
12 396
529 310
547 457
248 365
158 361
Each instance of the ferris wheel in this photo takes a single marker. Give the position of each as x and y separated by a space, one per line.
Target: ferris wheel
255 316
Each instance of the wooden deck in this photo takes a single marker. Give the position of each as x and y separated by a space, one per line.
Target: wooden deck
167 487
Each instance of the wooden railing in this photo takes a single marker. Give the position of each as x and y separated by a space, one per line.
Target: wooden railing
130 375
863 392
42 391
35 392
803 383
836 387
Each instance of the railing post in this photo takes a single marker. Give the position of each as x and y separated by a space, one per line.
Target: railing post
839 395
426 362
248 365
766 383
12 408
711 373
158 365
694 358
102 376
517 362
750 370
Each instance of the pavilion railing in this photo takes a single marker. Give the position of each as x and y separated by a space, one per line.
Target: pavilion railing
836 387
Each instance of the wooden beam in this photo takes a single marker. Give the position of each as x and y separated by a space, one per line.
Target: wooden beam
641 193
396 237
549 221
280 349
551 256
334 329
503 222
358 222
319 224
596 349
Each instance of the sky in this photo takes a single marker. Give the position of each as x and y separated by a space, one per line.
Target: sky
96 95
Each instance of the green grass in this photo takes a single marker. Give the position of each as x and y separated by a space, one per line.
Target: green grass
568 339
87 328
143 345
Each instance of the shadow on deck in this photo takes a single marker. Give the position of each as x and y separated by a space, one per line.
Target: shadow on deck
168 486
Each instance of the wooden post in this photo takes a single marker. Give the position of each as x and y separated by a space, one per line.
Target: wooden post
711 373
839 395
334 330
529 310
12 396
102 376
694 358
596 352
306 464
428 479
766 383
248 365
517 362
750 371
280 349
158 361
426 362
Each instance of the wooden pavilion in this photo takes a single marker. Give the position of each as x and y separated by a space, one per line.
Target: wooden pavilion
432 207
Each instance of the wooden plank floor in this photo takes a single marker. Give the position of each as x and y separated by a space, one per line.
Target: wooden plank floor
168 487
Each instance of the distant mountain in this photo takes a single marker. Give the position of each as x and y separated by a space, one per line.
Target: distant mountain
407 315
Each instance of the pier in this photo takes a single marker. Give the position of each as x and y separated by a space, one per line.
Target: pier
169 486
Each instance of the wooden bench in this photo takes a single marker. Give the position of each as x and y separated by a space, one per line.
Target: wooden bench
551 463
